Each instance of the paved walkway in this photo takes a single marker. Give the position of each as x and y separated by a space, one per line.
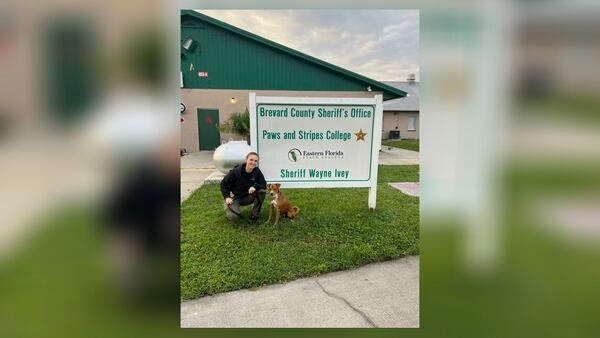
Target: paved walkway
195 168
408 188
398 156
376 295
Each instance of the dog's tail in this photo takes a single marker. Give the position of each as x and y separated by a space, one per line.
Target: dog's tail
294 212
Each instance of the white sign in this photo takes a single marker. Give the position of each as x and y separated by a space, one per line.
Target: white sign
317 142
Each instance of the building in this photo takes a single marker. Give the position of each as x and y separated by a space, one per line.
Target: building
401 115
221 64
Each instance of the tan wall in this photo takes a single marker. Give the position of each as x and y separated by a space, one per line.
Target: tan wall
221 99
391 120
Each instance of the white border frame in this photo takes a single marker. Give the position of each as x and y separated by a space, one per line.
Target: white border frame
376 101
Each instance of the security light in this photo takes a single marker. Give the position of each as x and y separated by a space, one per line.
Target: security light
188 44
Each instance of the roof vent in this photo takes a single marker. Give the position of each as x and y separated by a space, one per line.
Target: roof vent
411 78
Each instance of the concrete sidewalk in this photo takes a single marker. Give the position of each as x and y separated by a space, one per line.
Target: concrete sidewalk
398 156
376 295
195 168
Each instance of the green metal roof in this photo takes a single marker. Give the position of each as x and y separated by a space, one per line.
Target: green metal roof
232 58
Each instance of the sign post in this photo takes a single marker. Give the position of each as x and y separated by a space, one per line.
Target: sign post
317 142
376 136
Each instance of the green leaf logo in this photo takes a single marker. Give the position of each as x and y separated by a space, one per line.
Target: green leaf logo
292 154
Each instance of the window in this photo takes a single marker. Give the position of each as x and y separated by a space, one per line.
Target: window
412 123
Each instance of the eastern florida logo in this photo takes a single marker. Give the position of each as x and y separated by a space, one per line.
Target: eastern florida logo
294 154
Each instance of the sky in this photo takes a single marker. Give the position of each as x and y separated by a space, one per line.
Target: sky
380 44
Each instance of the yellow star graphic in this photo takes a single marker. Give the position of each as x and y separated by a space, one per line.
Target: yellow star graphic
360 135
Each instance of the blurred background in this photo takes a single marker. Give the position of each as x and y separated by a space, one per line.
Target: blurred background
510 168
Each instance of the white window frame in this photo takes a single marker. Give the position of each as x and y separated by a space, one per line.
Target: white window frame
414 124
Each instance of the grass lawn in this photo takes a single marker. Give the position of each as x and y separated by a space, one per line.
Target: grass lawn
404 144
334 231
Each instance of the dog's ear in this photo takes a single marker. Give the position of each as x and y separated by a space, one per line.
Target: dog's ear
277 185
268 186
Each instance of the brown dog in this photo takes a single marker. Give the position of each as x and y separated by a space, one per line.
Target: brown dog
280 204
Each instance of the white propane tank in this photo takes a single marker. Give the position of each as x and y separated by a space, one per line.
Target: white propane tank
230 154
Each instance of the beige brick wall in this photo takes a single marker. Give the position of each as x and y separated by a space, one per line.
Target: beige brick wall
391 120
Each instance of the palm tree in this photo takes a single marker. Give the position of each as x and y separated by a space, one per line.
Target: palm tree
238 123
